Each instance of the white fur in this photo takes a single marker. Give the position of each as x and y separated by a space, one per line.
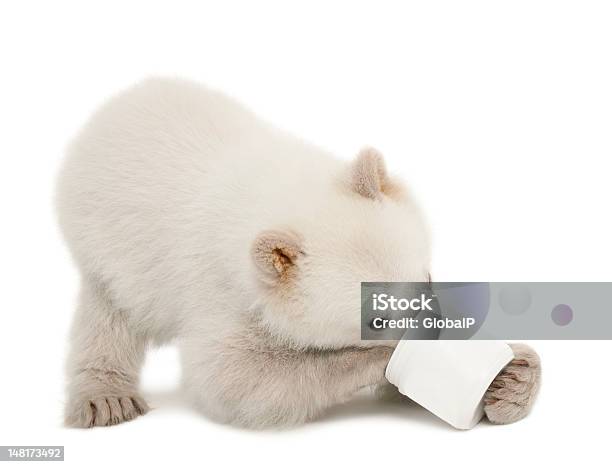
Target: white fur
161 198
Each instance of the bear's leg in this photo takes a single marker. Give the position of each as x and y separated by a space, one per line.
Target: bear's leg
281 387
513 392
388 392
104 363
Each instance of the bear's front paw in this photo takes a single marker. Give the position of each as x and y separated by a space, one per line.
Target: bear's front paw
513 392
104 411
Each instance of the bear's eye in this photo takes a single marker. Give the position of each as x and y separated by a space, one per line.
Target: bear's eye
372 327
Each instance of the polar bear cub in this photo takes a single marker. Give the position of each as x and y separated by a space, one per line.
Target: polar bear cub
193 221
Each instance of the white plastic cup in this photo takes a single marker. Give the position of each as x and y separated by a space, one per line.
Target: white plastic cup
448 377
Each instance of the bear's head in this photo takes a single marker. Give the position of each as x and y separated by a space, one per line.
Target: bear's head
367 230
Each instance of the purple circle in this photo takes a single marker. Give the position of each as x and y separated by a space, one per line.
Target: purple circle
562 315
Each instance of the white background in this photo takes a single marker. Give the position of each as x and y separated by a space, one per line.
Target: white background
498 114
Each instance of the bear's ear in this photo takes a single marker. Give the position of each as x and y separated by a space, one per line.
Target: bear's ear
369 176
275 253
